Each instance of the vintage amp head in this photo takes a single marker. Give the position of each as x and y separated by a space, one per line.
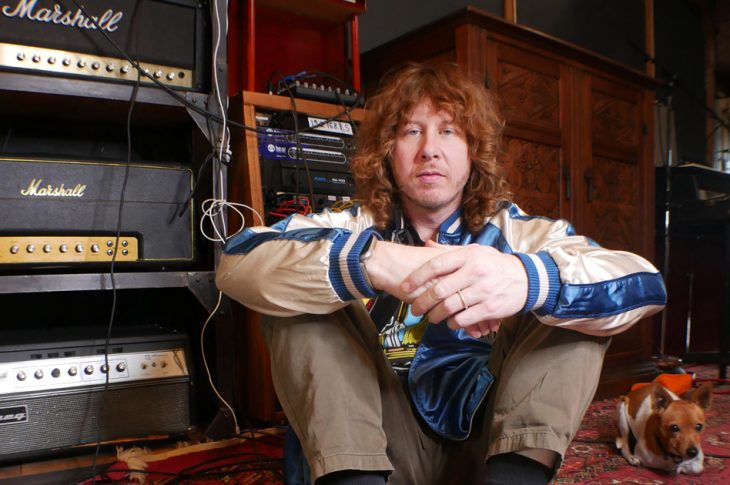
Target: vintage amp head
65 389
66 213
169 38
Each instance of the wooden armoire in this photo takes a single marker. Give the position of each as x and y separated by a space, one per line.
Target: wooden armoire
578 140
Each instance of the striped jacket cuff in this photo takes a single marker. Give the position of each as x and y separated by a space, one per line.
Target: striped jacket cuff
543 282
345 271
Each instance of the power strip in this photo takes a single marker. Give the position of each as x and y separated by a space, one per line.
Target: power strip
325 95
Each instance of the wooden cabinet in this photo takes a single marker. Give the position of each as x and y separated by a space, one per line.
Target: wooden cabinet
578 140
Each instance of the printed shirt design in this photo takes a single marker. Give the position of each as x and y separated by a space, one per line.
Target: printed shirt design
400 332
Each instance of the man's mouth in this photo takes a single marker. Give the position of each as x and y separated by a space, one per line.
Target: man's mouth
430 176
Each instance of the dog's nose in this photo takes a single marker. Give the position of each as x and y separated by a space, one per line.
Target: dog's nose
692 452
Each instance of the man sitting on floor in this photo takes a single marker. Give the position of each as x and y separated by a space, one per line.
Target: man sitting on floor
484 338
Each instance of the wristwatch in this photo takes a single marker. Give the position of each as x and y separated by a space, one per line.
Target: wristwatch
364 256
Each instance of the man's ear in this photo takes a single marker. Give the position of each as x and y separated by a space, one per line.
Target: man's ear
702 396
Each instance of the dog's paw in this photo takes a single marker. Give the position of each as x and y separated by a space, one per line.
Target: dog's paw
691 467
632 459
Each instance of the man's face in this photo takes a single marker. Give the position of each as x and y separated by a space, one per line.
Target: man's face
431 162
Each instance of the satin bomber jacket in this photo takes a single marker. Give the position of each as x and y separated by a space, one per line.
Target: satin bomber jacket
310 264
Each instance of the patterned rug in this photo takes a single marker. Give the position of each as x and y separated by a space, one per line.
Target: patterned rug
240 461
593 459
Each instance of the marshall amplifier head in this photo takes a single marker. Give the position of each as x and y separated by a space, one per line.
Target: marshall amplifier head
170 39
66 213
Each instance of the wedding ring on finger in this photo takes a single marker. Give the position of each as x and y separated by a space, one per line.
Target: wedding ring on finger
463 300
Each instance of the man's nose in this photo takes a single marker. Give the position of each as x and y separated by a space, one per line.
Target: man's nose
429 145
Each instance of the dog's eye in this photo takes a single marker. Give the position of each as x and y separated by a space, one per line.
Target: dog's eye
699 426
674 428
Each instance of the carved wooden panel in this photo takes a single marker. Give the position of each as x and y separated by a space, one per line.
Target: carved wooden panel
615 122
614 216
533 170
529 96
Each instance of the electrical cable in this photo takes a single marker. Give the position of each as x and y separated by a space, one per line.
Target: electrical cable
172 93
207 369
211 208
112 278
300 150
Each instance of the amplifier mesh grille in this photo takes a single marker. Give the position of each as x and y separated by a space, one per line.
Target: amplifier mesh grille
64 419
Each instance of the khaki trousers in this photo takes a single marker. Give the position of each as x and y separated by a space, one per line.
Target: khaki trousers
351 411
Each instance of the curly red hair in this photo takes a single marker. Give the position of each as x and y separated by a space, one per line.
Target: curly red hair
473 108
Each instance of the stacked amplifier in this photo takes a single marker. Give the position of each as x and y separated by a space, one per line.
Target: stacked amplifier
64 212
304 159
59 391
60 39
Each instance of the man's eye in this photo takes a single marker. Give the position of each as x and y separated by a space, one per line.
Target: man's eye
412 132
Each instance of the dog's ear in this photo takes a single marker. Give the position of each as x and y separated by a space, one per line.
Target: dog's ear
702 396
660 397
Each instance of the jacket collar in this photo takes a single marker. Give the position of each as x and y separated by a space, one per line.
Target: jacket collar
452 229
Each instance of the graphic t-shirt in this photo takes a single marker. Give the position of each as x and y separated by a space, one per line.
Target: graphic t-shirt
399 330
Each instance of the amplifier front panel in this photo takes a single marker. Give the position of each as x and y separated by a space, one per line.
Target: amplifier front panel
55 211
56 37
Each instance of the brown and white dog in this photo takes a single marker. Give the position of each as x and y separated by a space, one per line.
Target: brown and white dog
659 430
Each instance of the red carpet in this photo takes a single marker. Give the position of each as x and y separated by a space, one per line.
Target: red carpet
591 459
250 462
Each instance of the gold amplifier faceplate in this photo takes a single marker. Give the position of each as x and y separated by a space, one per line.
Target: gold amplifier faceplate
66 249
79 64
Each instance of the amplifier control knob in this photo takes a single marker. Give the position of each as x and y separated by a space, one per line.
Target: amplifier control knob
66 61
121 367
72 371
51 60
104 368
63 248
20 56
110 67
21 376
55 372
36 58
14 249
47 248
30 248
88 370
81 63
171 76
38 374
95 66
79 248
94 248
124 69
158 74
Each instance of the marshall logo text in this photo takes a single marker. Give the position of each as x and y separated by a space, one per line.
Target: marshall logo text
13 415
34 189
26 9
